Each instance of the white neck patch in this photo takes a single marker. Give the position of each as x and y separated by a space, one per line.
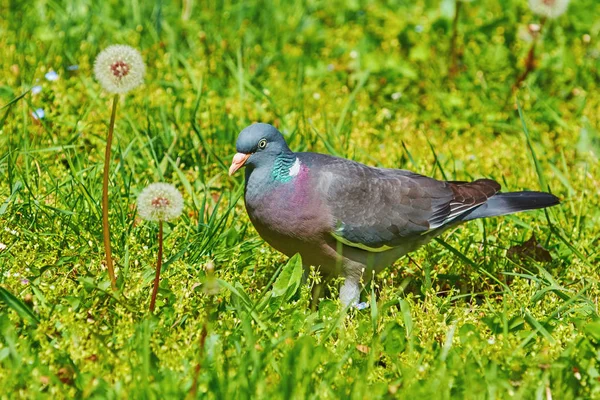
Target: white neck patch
295 168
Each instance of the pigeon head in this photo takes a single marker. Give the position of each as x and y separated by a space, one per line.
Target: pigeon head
256 145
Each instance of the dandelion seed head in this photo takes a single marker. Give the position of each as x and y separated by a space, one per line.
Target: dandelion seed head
549 8
160 202
119 69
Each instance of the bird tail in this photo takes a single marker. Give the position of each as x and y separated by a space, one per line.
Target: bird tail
510 203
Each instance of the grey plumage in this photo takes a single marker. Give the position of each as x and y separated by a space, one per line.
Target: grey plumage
347 218
509 203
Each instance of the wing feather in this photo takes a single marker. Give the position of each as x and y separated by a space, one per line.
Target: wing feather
376 208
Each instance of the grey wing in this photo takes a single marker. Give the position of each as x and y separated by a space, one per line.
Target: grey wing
377 208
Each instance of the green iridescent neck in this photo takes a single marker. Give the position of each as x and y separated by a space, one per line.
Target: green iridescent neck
282 166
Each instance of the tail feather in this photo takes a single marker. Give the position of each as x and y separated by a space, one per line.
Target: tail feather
510 203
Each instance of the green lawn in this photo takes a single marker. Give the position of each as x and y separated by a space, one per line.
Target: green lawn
470 316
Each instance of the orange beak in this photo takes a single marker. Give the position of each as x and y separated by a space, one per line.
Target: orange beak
238 162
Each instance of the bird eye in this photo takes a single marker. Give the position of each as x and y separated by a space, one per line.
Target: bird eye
262 144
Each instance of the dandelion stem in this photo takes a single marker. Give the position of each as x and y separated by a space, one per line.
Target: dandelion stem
530 60
158 266
453 61
105 225
203 334
529 66
186 11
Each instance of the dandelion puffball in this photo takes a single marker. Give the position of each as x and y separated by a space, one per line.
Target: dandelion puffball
119 68
549 8
160 202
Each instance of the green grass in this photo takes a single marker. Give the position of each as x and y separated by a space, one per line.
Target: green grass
362 79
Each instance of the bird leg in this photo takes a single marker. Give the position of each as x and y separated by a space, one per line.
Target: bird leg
350 290
353 272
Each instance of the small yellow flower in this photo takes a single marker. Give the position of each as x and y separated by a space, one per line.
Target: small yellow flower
119 69
160 202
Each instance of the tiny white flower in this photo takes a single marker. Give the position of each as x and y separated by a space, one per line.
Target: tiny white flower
160 202
39 113
396 95
73 67
211 286
36 89
119 68
51 76
386 113
549 8
354 54
528 33
316 95
534 28
419 28
2 246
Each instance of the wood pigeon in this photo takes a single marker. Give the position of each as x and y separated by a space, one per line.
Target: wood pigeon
350 219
